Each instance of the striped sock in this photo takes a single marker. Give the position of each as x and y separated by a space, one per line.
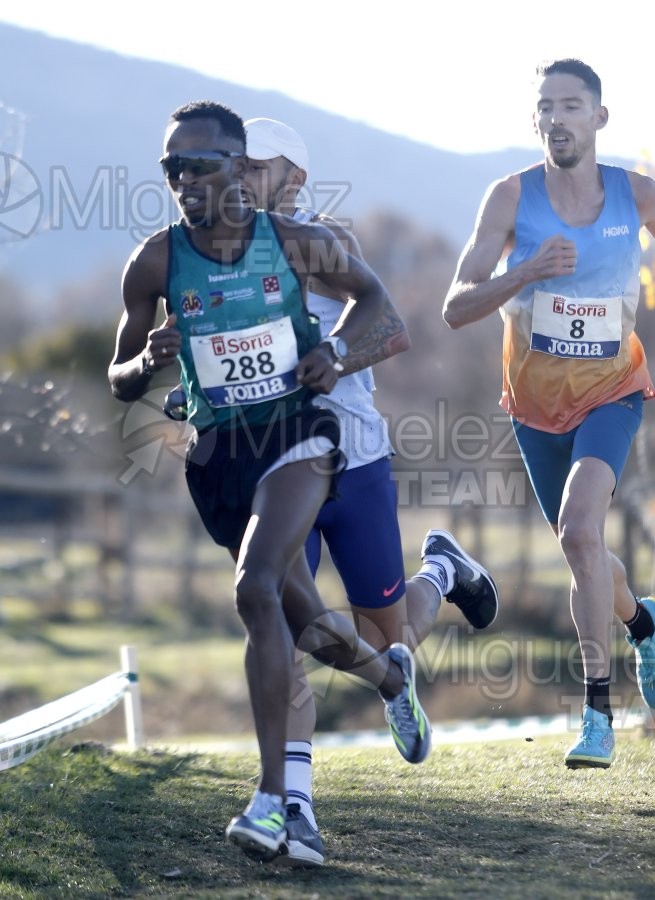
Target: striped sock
298 777
440 572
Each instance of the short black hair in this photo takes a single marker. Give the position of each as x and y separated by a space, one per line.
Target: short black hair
571 66
231 123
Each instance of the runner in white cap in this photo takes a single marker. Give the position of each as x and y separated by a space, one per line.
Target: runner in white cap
360 526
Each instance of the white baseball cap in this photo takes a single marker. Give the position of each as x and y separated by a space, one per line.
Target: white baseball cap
268 138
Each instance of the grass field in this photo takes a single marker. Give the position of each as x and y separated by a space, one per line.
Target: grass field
503 820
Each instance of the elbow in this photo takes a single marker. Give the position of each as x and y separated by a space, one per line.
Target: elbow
114 383
398 343
118 394
451 318
120 389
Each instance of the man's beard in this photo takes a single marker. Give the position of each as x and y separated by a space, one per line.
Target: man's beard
274 196
564 162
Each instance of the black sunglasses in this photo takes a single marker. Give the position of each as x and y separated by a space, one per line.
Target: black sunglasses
207 162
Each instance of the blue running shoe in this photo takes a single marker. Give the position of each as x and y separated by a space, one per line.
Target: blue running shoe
260 830
594 747
303 847
409 726
475 591
645 655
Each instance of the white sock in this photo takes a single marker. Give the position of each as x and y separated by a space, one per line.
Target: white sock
298 777
439 571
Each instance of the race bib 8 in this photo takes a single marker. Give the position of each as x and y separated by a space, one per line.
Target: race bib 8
575 327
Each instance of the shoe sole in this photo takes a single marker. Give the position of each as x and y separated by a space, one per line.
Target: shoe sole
473 564
254 846
296 855
588 762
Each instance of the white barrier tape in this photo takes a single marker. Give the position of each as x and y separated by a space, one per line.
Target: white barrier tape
25 735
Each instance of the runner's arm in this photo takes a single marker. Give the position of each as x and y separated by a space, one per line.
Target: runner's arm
474 293
643 188
139 349
388 336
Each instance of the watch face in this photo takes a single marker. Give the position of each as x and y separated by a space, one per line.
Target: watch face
338 345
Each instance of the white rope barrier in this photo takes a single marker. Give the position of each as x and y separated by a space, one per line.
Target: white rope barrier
25 735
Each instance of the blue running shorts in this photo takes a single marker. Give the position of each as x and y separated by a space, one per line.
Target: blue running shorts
607 433
360 528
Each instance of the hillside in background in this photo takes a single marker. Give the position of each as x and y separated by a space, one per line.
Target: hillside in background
88 128
80 186
80 134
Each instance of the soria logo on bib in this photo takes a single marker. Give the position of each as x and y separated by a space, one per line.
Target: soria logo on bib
226 343
576 327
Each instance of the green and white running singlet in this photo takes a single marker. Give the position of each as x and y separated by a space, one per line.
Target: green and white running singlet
244 327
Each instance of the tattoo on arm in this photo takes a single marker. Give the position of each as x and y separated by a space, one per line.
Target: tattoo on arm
387 338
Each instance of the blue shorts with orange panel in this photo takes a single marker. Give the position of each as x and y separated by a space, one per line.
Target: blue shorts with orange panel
607 433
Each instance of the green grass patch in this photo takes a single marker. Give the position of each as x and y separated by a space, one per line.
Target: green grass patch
502 820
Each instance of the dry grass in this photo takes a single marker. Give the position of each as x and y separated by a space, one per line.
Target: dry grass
504 820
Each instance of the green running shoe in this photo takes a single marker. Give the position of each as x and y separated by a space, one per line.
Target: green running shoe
260 830
409 726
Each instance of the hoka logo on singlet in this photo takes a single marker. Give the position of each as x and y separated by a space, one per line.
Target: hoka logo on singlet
615 230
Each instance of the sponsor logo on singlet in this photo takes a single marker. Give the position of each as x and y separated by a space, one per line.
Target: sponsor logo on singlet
227 276
191 303
615 231
272 291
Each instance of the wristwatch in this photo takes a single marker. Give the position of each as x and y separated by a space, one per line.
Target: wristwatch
339 350
145 368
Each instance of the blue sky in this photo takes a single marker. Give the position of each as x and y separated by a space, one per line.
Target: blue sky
457 78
